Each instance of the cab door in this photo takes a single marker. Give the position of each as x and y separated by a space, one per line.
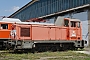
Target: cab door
79 31
65 30
73 30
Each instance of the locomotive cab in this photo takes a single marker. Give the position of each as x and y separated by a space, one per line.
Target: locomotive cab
4 33
74 28
74 31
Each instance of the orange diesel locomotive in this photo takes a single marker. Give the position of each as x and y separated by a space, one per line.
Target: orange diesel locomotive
5 29
44 36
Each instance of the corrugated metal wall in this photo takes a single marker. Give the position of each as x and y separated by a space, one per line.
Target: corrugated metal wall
46 7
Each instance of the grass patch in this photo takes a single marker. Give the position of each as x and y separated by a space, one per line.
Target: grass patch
66 55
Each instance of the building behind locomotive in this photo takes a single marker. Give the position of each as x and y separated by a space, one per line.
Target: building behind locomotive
27 35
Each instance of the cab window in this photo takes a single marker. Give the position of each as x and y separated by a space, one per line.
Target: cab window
4 26
73 24
66 23
78 24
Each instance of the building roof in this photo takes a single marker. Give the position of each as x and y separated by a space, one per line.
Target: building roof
42 13
28 4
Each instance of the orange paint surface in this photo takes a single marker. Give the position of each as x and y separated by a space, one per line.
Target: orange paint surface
5 33
39 32
49 32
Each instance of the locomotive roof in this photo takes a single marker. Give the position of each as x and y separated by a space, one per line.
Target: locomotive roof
17 21
75 20
34 23
11 20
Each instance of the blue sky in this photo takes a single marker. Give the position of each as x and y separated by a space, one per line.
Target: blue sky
7 7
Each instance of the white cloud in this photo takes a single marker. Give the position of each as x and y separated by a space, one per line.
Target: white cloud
7 10
13 9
